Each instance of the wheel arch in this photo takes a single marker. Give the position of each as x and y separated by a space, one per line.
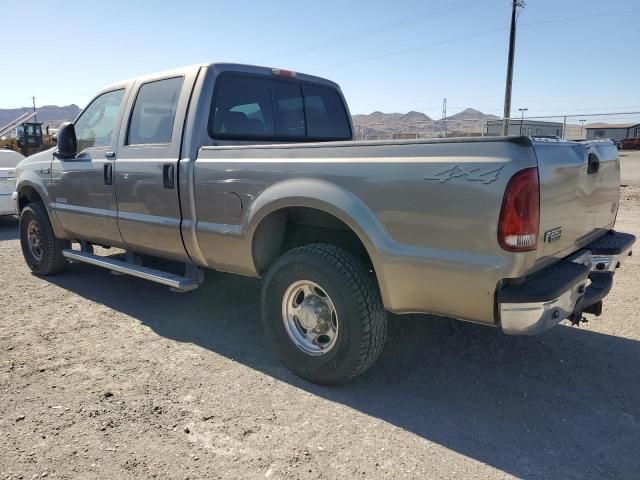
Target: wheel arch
323 205
34 191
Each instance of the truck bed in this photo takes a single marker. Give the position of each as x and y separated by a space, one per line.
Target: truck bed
426 211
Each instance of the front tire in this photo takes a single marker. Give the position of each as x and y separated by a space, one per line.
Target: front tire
322 313
41 249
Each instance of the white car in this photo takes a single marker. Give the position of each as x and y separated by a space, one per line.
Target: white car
8 161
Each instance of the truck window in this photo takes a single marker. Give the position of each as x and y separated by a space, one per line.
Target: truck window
249 107
289 110
243 108
154 112
326 116
96 124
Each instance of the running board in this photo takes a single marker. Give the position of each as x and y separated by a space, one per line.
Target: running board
176 282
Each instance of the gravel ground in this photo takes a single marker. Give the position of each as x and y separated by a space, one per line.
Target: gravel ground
111 377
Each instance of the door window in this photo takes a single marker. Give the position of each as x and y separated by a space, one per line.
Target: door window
154 112
97 123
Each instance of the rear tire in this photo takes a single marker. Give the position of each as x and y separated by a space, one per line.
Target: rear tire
322 292
41 249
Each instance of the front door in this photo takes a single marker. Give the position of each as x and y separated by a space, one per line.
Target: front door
146 174
82 188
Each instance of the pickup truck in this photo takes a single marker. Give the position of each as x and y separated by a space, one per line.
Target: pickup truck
254 171
8 162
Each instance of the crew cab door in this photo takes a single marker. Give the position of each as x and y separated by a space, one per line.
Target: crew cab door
146 172
82 188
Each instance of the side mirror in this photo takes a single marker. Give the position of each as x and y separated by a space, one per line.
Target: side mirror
67 142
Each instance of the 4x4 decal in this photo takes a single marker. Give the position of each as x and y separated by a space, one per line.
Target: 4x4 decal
485 175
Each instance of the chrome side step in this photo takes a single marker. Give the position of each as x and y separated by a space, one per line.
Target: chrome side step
176 282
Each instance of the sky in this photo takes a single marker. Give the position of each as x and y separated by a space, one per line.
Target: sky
572 56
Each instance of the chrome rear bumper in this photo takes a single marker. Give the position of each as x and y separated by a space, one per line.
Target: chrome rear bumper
569 287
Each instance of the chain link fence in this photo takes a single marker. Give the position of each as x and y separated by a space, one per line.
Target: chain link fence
621 127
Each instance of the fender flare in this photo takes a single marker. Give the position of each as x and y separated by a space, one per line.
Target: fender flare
29 179
329 198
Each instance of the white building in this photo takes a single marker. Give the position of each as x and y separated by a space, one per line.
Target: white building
529 128
614 131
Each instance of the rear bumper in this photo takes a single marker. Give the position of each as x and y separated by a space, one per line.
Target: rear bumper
577 284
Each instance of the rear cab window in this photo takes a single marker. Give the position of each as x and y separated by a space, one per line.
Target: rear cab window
252 107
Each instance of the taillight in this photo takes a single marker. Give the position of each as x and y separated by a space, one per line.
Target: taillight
281 72
520 214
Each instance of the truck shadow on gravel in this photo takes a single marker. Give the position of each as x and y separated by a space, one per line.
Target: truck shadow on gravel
8 228
565 404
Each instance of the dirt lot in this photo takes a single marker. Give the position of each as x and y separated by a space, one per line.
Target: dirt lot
110 377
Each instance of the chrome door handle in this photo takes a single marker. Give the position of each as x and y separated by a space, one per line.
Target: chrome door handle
110 154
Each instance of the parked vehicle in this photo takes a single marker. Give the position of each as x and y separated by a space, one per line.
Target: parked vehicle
632 143
8 162
252 170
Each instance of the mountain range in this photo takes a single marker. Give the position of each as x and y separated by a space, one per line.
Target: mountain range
47 114
377 123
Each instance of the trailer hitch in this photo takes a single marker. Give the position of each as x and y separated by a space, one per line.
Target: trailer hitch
576 318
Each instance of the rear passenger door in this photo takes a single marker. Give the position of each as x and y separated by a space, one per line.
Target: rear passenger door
146 170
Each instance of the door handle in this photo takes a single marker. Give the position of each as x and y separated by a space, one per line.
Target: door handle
108 173
110 154
168 176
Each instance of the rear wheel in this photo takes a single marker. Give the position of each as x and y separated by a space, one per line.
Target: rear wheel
41 249
323 314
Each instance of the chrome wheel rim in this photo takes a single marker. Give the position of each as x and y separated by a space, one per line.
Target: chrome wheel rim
34 240
310 318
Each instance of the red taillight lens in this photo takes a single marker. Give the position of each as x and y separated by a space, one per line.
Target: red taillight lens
281 72
520 213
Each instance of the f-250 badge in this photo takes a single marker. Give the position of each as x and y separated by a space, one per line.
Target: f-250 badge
484 175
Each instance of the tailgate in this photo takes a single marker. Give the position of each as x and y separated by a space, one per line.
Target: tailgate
579 193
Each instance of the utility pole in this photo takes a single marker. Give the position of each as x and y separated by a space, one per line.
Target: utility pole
522 118
444 115
582 120
512 47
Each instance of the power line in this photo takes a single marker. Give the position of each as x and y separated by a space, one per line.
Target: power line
473 35
415 49
584 17
380 28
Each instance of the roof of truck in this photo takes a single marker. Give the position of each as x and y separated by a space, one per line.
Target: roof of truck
220 66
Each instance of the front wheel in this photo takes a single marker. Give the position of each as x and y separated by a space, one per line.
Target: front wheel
323 314
41 249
